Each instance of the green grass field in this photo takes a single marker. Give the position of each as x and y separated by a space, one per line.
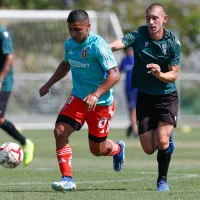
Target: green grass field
95 177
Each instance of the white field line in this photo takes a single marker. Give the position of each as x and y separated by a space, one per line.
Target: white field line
185 176
95 170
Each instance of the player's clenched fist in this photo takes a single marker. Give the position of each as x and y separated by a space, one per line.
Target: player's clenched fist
44 90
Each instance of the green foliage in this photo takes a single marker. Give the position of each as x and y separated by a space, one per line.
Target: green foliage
190 98
183 18
30 4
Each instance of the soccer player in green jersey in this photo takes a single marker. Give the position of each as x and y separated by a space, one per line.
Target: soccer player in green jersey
157 60
6 86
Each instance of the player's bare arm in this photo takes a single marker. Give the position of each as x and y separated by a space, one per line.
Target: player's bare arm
112 78
60 73
167 77
6 68
117 45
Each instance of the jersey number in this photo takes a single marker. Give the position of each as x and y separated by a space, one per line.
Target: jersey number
104 124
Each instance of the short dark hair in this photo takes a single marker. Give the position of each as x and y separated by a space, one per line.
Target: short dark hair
156 5
77 15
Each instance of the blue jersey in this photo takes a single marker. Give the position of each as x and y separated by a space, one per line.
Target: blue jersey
126 66
89 62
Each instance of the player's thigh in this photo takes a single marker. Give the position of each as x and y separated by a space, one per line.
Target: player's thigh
145 113
148 141
146 122
99 125
72 113
4 98
167 108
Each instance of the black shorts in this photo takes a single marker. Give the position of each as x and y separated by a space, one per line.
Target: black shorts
151 109
4 97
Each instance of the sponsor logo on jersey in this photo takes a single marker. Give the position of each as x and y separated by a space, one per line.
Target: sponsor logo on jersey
74 63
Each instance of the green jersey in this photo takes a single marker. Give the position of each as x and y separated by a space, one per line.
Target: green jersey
163 52
6 47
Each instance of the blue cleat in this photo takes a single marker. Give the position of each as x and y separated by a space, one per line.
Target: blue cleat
162 186
171 143
65 184
119 159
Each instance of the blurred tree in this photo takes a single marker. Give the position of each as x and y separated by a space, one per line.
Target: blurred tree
30 4
184 16
184 20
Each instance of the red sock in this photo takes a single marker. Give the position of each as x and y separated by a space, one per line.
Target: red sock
64 156
115 148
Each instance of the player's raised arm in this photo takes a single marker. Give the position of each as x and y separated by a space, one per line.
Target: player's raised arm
60 73
173 66
166 77
117 45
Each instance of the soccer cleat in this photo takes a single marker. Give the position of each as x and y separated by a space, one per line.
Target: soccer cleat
65 184
119 159
171 143
28 149
162 186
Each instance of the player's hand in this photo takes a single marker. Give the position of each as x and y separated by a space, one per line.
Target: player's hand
155 69
0 85
91 101
44 89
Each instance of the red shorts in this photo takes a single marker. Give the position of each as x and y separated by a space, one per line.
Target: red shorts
98 121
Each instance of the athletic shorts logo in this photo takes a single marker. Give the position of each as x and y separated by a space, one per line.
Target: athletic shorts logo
84 53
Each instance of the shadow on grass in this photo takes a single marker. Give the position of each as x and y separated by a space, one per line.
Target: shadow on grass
99 189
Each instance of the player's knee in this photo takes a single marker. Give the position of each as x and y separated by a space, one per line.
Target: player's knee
58 131
162 143
149 150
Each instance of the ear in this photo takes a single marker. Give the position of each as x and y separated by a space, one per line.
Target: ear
165 19
88 26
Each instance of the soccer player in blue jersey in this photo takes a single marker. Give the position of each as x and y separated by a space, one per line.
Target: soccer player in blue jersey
157 60
126 66
94 73
6 86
